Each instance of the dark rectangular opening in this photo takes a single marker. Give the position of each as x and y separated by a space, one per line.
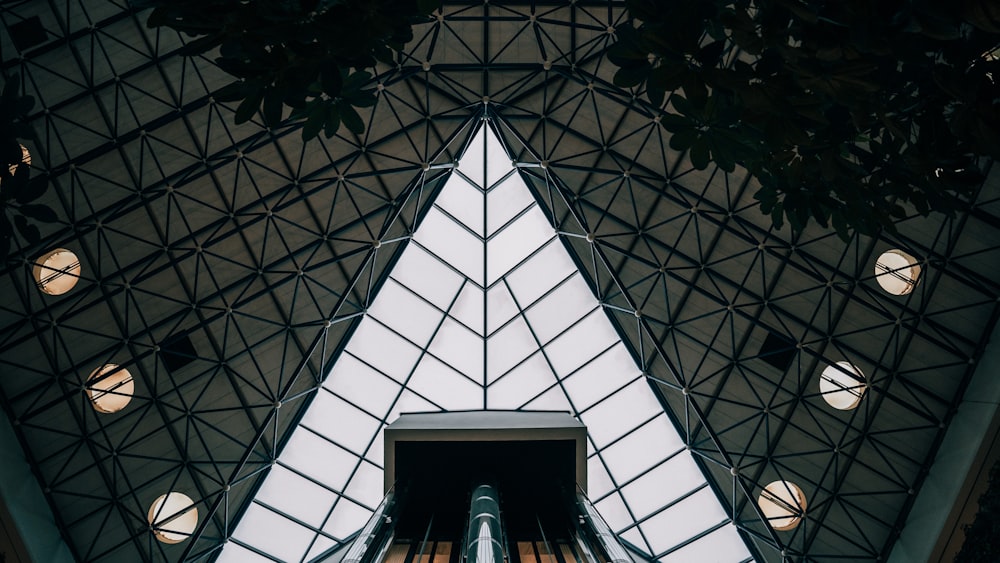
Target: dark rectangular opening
28 33
177 352
778 351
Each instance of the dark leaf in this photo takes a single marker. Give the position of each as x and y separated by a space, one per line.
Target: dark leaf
11 88
777 215
230 92
27 230
676 123
840 224
665 78
332 121
722 152
19 183
315 121
352 120
201 45
709 54
428 6
249 106
683 139
10 152
24 104
40 212
645 10
272 109
699 153
332 79
33 189
384 54
695 89
355 82
631 76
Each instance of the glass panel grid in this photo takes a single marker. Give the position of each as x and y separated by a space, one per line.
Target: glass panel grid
434 339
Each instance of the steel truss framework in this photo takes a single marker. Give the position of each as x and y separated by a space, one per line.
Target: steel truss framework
265 253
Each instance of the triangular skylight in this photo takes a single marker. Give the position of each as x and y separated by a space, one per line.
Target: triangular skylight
485 310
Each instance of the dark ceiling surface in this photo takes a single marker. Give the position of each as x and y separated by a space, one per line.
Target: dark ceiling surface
264 253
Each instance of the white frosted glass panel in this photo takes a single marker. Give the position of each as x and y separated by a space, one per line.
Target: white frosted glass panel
448 240
541 273
465 203
500 308
376 453
552 400
684 520
508 347
633 536
405 313
460 348
320 545
410 402
641 449
497 161
316 457
362 385
473 163
366 486
435 300
515 243
621 412
427 276
721 546
341 422
663 484
273 534
520 384
347 518
446 387
581 343
614 512
468 308
233 553
598 479
607 373
370 342
561 308
505 201
296 496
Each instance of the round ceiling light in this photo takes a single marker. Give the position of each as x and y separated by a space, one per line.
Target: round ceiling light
842 385
173 517
897 272
783 504
57 272
110 388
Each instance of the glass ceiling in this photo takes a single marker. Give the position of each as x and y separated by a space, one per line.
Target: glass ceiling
485 310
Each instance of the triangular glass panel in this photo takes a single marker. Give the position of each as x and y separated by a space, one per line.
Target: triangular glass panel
486 310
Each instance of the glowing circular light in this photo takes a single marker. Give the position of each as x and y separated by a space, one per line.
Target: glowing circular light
897 272
173 517
57 272
110 388
783 504
842 385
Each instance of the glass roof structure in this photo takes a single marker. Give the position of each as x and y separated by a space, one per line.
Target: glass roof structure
485 310
235 272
